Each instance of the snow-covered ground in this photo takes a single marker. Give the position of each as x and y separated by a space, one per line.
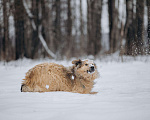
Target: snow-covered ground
123 94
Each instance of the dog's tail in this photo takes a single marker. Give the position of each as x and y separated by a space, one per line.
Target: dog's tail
24 88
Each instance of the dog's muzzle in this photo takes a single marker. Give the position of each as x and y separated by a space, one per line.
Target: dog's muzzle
92 69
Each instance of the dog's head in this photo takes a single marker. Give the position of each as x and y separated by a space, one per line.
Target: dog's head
85 68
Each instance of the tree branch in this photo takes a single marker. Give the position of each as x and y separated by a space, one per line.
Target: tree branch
44 43
39 30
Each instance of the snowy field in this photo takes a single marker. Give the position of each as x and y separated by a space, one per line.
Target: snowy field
123 94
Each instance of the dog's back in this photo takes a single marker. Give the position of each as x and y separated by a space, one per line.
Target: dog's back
47 77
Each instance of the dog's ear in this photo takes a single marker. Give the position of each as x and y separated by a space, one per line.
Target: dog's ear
77 62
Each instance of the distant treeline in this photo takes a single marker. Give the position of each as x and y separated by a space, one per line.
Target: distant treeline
58 28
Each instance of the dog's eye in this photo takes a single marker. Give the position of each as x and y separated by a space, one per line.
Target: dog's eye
86 64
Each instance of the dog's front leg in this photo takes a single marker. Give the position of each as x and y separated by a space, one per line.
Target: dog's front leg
93 92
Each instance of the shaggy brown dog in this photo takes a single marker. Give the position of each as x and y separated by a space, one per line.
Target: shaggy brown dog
49 77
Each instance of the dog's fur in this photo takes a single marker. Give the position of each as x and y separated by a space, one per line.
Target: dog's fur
49 77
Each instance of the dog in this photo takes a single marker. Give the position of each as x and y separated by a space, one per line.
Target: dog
49 77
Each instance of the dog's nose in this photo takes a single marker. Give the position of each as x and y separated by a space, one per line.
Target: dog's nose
92 68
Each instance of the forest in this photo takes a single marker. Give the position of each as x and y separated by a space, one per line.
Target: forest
73 28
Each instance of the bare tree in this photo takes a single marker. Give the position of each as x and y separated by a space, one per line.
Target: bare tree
89 27
98 15
47 27
6 30
148 28
38 29
129 30
19 28
1 42
70 49
94 10
35 39
113 26
139 26
28 36
57 24
82 40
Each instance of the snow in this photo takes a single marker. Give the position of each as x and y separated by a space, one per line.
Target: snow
47 86
123 94
72 77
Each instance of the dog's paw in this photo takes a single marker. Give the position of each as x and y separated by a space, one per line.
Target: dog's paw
93 92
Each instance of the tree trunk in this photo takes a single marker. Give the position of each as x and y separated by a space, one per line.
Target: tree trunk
82 40
70 50
129 29
113 26
98 15
89 43
1 43
94 26
27 34
57 25
139 26
111 7
148 28
35 39
28 37
6 31
19 28
46 23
